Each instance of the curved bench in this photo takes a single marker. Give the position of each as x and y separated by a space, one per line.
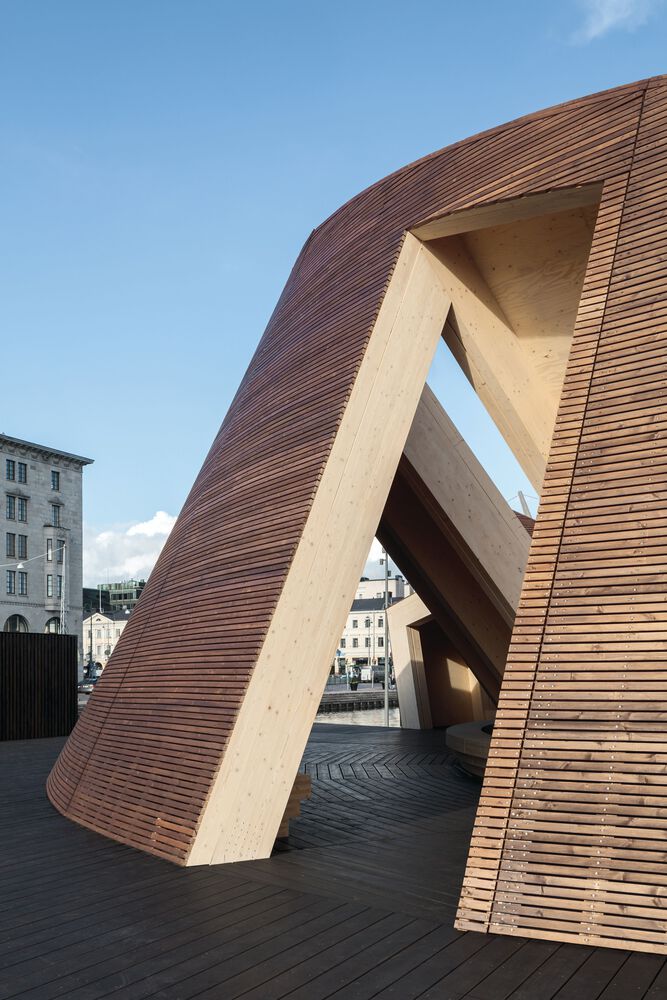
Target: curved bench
470 742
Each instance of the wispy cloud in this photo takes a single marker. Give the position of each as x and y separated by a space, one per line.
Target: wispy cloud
124 552
129 551
602 16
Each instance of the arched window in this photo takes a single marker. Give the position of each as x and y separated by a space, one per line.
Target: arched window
16 623
52 626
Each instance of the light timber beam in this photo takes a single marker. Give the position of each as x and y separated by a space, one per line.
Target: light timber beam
487 348
478 521
409 671
500 213
457 541
253 783
434 685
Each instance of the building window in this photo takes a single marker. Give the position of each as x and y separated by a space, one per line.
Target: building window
355 643
99 651
11 508
60 548
10 546
23 546
367 642
367 623
98 633
49 585
60 586
10 469
380 622
23 584
23 472
118 633
380 640
55 515
11 581
355 623
22 505
55 480
342 643
16 623
52 626
49 550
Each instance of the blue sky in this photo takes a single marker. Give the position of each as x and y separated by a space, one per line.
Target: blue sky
163 163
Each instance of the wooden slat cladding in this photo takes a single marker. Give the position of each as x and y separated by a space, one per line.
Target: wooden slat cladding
38 676
569 838
141 763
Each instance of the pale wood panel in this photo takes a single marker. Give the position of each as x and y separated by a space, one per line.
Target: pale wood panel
250 791
535 270
487 348
406 651
502 213
479 522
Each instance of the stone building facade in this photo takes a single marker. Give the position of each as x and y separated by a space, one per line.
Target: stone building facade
41 539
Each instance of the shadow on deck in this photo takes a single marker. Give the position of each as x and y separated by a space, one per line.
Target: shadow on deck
360 904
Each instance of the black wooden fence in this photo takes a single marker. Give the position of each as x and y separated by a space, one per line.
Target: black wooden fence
38 681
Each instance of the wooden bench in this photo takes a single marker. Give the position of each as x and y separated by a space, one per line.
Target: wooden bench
301 790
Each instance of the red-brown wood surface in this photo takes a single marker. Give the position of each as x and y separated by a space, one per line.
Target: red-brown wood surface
140 763
569 838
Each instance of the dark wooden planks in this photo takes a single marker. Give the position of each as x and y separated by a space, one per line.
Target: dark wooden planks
38 679
85 918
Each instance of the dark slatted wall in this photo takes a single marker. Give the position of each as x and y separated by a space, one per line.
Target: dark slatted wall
38 678
140 763
569 839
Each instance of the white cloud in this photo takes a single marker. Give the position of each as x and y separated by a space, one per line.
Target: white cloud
127 552
124 552
602 16
161 523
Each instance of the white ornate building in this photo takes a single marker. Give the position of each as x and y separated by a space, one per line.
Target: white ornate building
101 631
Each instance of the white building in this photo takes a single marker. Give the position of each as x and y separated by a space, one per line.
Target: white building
100 633
41 581
374 588
362 642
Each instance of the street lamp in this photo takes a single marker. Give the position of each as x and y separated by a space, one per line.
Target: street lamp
60 550
384 561
91 611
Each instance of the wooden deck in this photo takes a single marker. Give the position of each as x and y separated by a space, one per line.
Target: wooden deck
359 906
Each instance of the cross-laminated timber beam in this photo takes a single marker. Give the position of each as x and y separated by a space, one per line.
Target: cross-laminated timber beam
462 547
457 541
278 710
434 684
479 522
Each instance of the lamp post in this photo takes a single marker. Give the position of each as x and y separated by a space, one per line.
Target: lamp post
385 560
368 648
91 610
62 625
63 589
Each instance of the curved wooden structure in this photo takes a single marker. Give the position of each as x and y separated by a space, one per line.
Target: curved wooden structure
537 250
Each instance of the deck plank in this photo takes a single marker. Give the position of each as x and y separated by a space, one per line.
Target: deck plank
359 903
